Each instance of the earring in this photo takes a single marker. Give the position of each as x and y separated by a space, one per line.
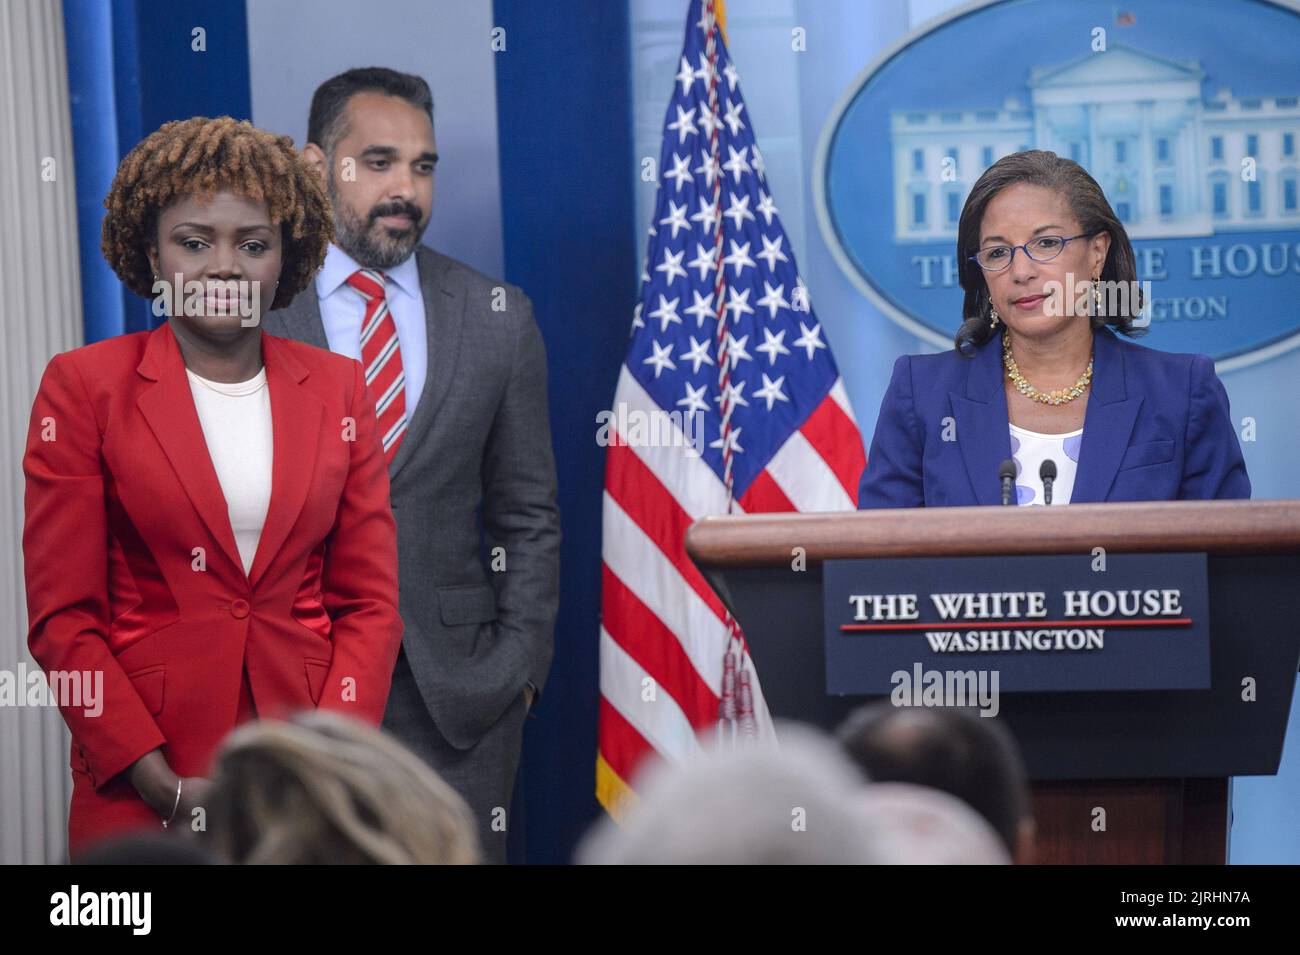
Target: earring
1096 297
994 316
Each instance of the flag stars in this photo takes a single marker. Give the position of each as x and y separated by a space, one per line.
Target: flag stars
666 313
732 117
773 345
686 76
697 356
694 400
661 359
736 350
676 218
760 166
702 308
671 266
771 391
731 440
771 253
708 168
706 260
685 125
709 122
733 392
681 171
707 216
739 258
739 303
738 210
736 162
703 72
774 300
765 205
810 340
732 76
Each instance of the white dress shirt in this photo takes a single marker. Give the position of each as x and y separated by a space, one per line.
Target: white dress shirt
342 308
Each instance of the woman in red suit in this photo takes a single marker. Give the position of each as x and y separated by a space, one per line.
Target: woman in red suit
208 528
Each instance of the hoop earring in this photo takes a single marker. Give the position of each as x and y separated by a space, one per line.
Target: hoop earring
994 317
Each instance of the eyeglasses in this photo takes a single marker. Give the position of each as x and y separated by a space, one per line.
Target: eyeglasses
1043 249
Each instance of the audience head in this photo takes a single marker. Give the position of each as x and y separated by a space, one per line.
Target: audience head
146 848
754 804
914 825
970 757
323 788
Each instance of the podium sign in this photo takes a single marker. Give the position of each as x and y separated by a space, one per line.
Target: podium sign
1035 623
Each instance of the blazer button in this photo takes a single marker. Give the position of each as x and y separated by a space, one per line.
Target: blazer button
239 609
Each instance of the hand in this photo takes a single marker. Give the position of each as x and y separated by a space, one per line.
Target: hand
155 781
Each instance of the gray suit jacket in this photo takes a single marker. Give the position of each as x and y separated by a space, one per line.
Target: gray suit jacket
475 634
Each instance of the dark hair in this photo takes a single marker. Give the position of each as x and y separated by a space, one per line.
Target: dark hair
145 848
1087 202
970 757
200 157
327 121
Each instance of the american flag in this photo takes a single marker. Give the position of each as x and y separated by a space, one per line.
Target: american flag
725 337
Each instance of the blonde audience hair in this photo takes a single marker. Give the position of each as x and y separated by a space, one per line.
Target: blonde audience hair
327 789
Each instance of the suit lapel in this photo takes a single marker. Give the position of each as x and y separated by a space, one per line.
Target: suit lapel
981 419
296 426
444 311
1108 422
301 318
168 407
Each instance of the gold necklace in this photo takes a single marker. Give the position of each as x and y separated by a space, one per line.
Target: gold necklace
1058 397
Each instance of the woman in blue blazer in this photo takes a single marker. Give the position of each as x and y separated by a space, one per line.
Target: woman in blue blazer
1039 374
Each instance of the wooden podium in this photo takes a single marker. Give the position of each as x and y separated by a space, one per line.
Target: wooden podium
1159 762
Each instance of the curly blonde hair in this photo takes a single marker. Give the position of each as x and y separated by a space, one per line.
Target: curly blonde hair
323 788
199 157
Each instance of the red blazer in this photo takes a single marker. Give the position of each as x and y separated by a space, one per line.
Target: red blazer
132 569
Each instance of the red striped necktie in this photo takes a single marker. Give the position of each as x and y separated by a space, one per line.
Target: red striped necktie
382 359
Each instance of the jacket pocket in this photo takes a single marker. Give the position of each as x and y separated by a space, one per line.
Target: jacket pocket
467 603
317 670
1150 452
149 684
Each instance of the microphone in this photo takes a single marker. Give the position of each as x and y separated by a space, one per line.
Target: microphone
1007 474
1047 474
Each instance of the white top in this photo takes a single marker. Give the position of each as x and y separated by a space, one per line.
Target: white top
1029 449
342 308
236 421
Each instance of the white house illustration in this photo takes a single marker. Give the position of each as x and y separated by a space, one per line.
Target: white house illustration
1169 160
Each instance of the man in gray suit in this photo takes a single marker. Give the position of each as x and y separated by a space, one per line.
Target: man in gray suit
457 368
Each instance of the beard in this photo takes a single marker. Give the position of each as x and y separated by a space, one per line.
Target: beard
370 244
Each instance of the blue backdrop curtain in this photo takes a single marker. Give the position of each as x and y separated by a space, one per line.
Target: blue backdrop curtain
564 112
132 66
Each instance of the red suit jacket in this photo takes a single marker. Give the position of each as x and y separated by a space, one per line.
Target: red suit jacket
132 569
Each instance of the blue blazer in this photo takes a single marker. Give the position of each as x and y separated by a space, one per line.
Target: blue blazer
1157 428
